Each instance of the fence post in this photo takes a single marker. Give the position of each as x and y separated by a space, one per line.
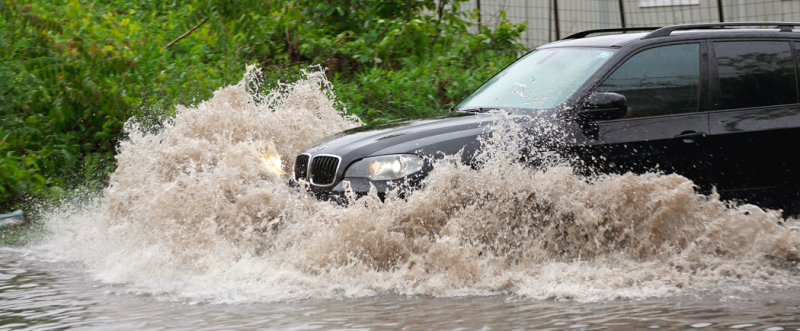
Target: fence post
527 26
555 18
549 21
719 9
622 14
479 14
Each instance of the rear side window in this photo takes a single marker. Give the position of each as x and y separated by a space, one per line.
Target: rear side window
755 74
659 81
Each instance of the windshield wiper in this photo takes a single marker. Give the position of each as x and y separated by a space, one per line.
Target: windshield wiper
474 110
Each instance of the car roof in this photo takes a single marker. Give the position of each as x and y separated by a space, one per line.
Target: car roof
620 38
609 40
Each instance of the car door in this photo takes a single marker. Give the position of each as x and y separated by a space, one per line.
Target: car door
665 125
755 115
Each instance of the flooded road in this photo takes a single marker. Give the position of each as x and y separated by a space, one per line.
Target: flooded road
198 230
43 295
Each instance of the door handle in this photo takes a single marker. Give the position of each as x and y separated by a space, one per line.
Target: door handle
690 137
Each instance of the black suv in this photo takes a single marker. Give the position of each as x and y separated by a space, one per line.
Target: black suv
715 104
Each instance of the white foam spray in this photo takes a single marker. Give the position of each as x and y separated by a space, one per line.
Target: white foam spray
193 211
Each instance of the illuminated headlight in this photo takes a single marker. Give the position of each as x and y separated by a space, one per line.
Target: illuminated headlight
272 161
386 167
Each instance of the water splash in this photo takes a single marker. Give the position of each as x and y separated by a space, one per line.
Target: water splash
195 211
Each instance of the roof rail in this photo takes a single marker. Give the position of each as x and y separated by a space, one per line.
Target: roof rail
667 30
583 34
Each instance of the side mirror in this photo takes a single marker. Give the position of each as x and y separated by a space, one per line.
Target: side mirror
604 106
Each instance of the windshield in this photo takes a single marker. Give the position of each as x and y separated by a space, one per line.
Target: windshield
541 79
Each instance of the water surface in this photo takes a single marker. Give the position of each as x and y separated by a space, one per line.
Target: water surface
43 295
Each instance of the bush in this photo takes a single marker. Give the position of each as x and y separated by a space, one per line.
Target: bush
73 72
424 89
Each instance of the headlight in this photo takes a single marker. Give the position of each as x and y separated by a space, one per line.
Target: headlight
386 167
272 161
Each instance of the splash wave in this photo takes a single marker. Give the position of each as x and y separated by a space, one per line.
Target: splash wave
194 212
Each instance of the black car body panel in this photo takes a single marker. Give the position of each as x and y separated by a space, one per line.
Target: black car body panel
453 134
719 106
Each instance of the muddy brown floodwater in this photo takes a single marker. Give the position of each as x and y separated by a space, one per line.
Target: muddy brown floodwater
197 230
47 295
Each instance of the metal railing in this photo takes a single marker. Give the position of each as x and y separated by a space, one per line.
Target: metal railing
550 20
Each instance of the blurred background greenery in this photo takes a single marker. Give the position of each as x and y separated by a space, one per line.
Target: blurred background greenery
72 72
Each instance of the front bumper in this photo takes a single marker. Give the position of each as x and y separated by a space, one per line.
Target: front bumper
361 187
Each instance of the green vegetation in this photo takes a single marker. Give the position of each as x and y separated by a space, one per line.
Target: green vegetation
21 235
72 72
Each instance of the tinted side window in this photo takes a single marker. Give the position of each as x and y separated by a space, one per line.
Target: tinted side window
755 74
659 81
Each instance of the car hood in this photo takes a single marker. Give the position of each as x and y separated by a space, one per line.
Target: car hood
433 136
